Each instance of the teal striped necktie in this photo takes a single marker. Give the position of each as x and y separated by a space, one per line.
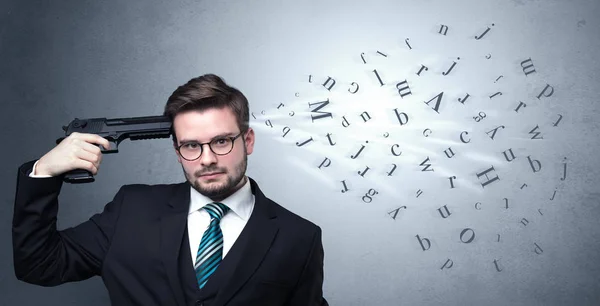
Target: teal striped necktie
210 250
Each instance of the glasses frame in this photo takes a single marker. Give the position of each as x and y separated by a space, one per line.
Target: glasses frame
232 138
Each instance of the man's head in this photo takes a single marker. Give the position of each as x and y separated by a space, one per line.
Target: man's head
206 110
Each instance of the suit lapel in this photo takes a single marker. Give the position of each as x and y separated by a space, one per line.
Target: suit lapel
251 246
172 228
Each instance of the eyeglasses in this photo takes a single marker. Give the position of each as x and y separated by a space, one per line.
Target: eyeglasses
192 150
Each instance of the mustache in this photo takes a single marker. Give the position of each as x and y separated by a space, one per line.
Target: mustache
208 170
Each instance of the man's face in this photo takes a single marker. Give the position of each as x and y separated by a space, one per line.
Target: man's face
215 176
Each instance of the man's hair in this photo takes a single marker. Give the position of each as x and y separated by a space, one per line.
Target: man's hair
206 92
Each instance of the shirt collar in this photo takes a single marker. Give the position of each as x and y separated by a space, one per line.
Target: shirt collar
240 202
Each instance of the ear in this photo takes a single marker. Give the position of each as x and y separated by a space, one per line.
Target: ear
249 140
176 153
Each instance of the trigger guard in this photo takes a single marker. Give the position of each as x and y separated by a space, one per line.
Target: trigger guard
113 147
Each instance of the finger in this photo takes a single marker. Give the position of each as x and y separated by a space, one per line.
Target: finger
86 165
89 157
92 148
93 138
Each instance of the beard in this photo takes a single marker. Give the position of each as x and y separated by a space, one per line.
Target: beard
220 190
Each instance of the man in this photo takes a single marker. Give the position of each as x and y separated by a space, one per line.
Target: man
213 240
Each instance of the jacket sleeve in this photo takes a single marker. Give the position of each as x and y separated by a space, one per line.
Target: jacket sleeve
43 255
309 289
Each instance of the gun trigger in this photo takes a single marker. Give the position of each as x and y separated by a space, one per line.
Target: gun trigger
113 147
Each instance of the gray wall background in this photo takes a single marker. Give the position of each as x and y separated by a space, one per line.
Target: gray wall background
62 60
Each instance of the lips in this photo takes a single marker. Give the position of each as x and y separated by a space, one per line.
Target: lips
211 175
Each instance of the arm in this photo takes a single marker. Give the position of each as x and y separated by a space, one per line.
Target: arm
309 289
45 256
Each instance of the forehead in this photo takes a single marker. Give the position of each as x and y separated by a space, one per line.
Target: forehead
206 124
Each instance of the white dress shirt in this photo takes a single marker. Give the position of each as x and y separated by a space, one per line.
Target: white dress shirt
241 205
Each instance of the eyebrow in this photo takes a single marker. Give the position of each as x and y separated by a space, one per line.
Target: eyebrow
183 141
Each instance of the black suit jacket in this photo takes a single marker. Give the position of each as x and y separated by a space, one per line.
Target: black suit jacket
139 246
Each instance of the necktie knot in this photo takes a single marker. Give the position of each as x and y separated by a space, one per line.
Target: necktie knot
216 210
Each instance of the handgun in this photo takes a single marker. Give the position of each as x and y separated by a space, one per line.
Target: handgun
115 131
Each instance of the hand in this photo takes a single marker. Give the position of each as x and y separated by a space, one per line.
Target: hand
77 151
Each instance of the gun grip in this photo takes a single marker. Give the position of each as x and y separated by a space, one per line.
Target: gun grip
78 176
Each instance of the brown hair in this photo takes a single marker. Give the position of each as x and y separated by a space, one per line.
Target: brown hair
206 92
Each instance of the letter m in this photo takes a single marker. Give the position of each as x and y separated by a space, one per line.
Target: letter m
527 66
317 109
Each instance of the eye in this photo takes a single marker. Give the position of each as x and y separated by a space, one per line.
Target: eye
220 142
191 145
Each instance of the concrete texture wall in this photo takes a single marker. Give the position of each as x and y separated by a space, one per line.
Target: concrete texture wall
396 231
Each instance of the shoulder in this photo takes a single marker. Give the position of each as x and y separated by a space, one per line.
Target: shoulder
156 193
287 217
148 189
291 219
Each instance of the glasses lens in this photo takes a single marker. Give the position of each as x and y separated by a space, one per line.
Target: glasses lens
221 145
190 151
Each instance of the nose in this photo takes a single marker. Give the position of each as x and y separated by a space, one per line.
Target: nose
207 157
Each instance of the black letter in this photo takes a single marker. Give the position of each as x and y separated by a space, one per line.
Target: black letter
544 90
446 151
399 119
536 133
442 213
462 234
526 69
496 263
316 110
353 83
463 100
537 247
326 82
422 67
483 34
531 163
443 28
447 261
421 243
330 141
461 137
393 152
453 64
326 160
345 187
403 88
358 153
363 116
392 171
452 182
520 104
377 74
426 165
307 141
494 134
486 176
396 210
511 153
437 103
365 171
558 120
